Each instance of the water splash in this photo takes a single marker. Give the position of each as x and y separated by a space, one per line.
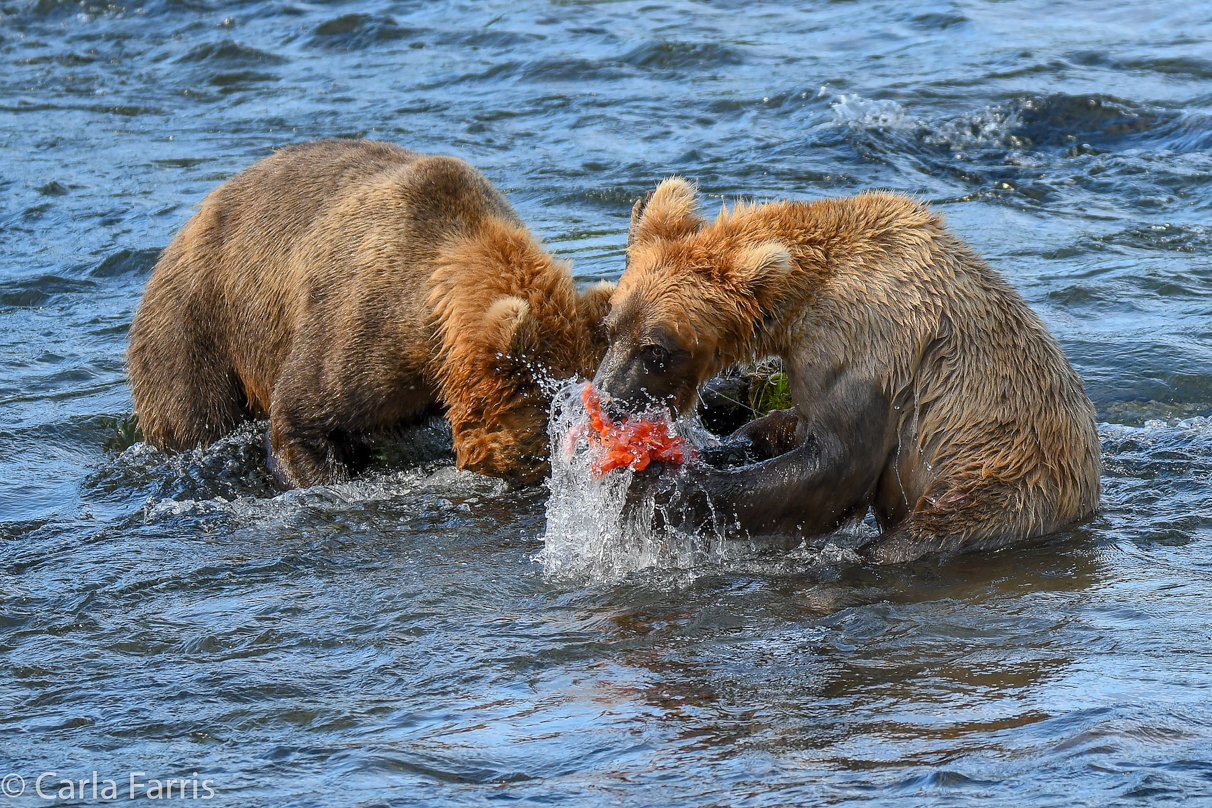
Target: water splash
593 531
994 127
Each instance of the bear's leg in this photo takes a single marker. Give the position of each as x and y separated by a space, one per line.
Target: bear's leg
310 421
902 544
186 394
958 515
303 451
773 434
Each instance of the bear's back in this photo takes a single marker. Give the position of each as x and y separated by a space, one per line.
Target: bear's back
327 242
998 412
987 396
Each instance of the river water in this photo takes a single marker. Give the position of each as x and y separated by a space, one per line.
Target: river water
395 641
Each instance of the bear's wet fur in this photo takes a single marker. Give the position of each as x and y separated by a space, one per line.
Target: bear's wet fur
924 385
345 288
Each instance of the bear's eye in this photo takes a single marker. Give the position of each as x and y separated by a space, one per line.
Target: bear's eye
656 355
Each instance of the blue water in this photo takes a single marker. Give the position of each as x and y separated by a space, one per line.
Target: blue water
394 641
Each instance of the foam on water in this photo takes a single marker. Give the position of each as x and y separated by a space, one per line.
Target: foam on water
994 127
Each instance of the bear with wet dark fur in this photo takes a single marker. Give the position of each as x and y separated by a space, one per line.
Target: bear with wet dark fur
923 385
345 288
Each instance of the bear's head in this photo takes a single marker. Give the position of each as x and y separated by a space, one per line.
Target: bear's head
691 302
512 327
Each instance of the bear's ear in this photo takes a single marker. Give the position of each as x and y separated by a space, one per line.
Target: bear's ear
761 270
671 211
593 302
508 325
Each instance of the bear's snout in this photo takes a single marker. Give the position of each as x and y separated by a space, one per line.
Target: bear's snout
627 386
612 381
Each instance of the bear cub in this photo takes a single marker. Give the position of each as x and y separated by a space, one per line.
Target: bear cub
346 288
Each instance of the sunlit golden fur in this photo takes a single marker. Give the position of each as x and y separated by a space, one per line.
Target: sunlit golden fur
507 320
997 437
343 288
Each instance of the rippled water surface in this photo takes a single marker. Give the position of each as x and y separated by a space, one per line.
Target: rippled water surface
394 640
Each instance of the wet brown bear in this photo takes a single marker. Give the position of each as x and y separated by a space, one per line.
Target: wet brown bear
343 288
923 384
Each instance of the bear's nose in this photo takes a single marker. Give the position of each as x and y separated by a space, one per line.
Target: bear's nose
614 408
615 382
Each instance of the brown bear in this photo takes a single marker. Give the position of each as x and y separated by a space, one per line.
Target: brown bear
344 288
923 385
